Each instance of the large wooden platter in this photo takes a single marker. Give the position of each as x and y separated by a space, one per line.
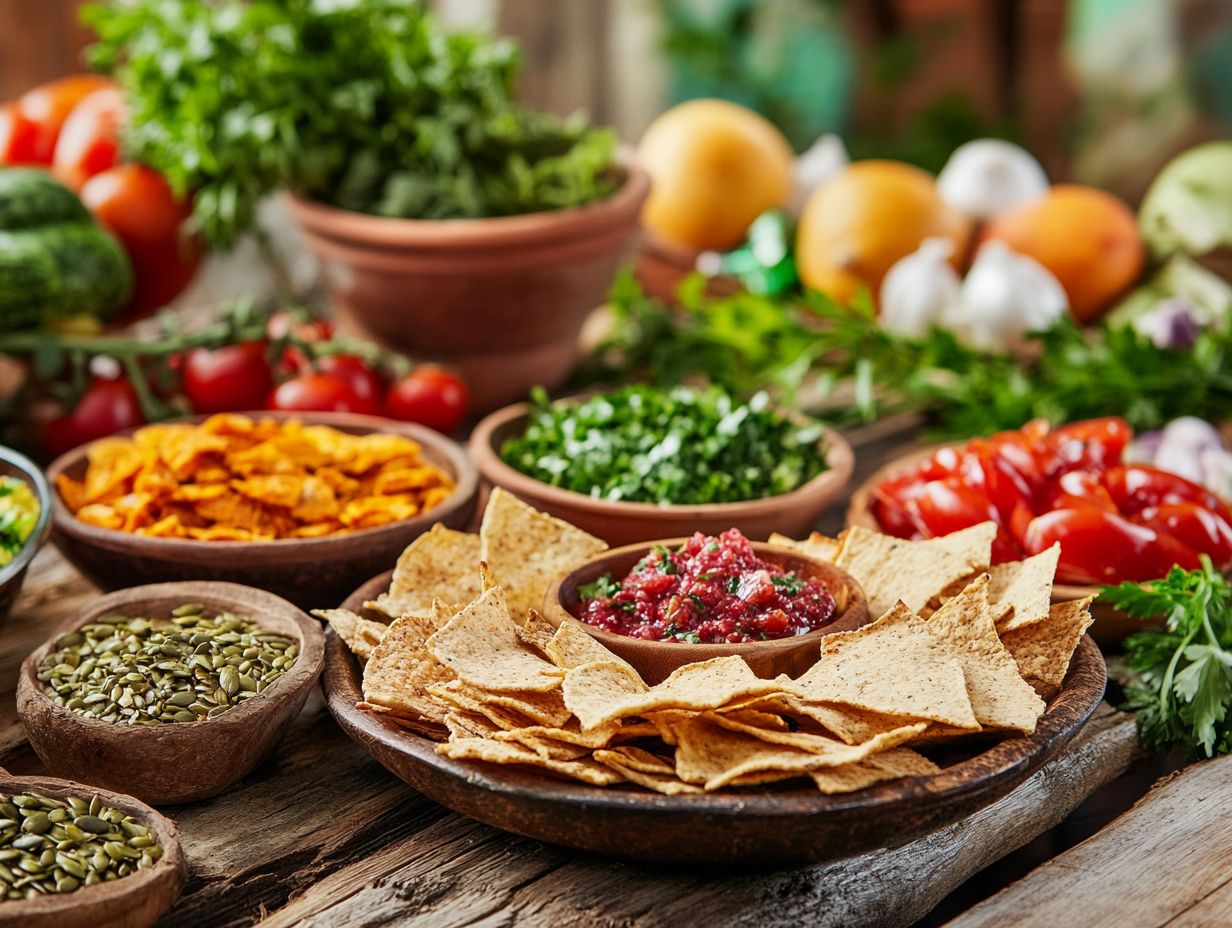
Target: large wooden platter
761 828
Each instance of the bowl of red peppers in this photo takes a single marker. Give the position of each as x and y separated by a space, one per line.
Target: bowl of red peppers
1116 519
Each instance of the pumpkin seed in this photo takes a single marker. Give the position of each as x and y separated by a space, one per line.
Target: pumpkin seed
138 671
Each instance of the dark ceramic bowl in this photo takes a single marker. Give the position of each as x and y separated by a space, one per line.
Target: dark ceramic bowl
13 574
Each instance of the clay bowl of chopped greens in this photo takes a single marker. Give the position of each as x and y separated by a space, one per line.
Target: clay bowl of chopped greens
682 600
502 298
25 521
170 692
641 463
84 886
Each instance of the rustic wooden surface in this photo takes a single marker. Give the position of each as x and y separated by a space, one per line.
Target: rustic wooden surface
323 835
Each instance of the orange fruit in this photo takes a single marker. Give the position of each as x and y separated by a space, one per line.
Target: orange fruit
1087 238
715 166
856 225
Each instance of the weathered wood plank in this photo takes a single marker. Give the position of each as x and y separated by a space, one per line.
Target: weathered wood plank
1167 861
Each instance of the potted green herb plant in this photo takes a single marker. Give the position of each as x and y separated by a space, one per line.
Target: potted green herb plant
448 219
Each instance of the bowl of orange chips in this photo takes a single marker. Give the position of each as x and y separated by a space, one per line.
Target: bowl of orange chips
305 505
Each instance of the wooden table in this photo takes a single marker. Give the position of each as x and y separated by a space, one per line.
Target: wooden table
322 835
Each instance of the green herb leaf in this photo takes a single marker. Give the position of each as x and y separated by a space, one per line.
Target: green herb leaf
603 588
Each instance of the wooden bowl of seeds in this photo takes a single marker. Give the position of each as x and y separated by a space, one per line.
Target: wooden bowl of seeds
170 692
72 856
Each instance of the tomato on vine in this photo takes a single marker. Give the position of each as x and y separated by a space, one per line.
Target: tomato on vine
430 396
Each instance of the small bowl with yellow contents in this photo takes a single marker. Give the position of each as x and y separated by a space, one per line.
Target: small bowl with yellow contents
169 692
25 521
684 600
305 505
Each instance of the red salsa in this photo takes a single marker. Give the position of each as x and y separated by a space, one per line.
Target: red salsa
710 591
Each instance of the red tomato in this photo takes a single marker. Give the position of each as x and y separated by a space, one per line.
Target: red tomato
1103 547
315 393
49 105
1076 489
1022 454
356 373
19 136
89 141
233 378
892 504
431 397
1092 444
137 204
1004 486
107 405
945 506
1193 525
1135 487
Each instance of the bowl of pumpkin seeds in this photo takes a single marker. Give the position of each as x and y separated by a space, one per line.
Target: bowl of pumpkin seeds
72 856
170 692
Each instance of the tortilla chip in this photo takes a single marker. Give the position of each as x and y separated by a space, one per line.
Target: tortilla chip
572 646
999 696
878 768
463 724
438 564
401 669
528 550
847 723
504 752
972 545
360 635
890 667
816 545
712 756
646 770
893 569
479 645
1043 650
536 632
537 708
1020 592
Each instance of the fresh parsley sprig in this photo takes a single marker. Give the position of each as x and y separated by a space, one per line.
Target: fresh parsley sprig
1182 687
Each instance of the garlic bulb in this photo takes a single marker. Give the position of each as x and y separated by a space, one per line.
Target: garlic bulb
919 290
987 176
824 158
1004 296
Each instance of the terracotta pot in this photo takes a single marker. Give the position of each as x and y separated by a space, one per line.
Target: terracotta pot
794 514
655 660
133 901
178 761
311 572
1109 626
501 299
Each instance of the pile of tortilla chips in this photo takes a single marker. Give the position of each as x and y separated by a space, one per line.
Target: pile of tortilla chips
233 479
960 649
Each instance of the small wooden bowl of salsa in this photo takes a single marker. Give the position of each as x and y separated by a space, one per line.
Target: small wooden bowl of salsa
679 601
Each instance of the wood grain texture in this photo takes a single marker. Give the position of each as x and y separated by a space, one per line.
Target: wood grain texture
1167 861
322 835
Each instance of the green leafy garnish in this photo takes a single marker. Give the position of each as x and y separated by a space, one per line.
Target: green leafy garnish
365 104
603 588
803 347
1182 686
19 512
681 446
789 584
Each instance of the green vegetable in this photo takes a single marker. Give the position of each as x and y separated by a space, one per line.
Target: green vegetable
603 588
681 446
55 263
1188 208
805 347
367 105
1183 675
19 513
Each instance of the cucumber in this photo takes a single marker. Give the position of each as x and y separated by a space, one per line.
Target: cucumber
30 197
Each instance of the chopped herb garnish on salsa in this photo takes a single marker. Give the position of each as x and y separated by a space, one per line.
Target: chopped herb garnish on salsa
679 446
712 591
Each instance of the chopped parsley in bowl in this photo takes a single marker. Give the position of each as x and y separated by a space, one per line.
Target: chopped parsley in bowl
19 515
671 447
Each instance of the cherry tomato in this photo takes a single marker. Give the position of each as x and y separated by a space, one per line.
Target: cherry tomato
1092 444
49 105
19 136
315 393
431 397
356 373
137 205
1004 486
945 506
89 141
1103 547
1076 489
107 405
233 378
1193 525
1135 487
892 505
